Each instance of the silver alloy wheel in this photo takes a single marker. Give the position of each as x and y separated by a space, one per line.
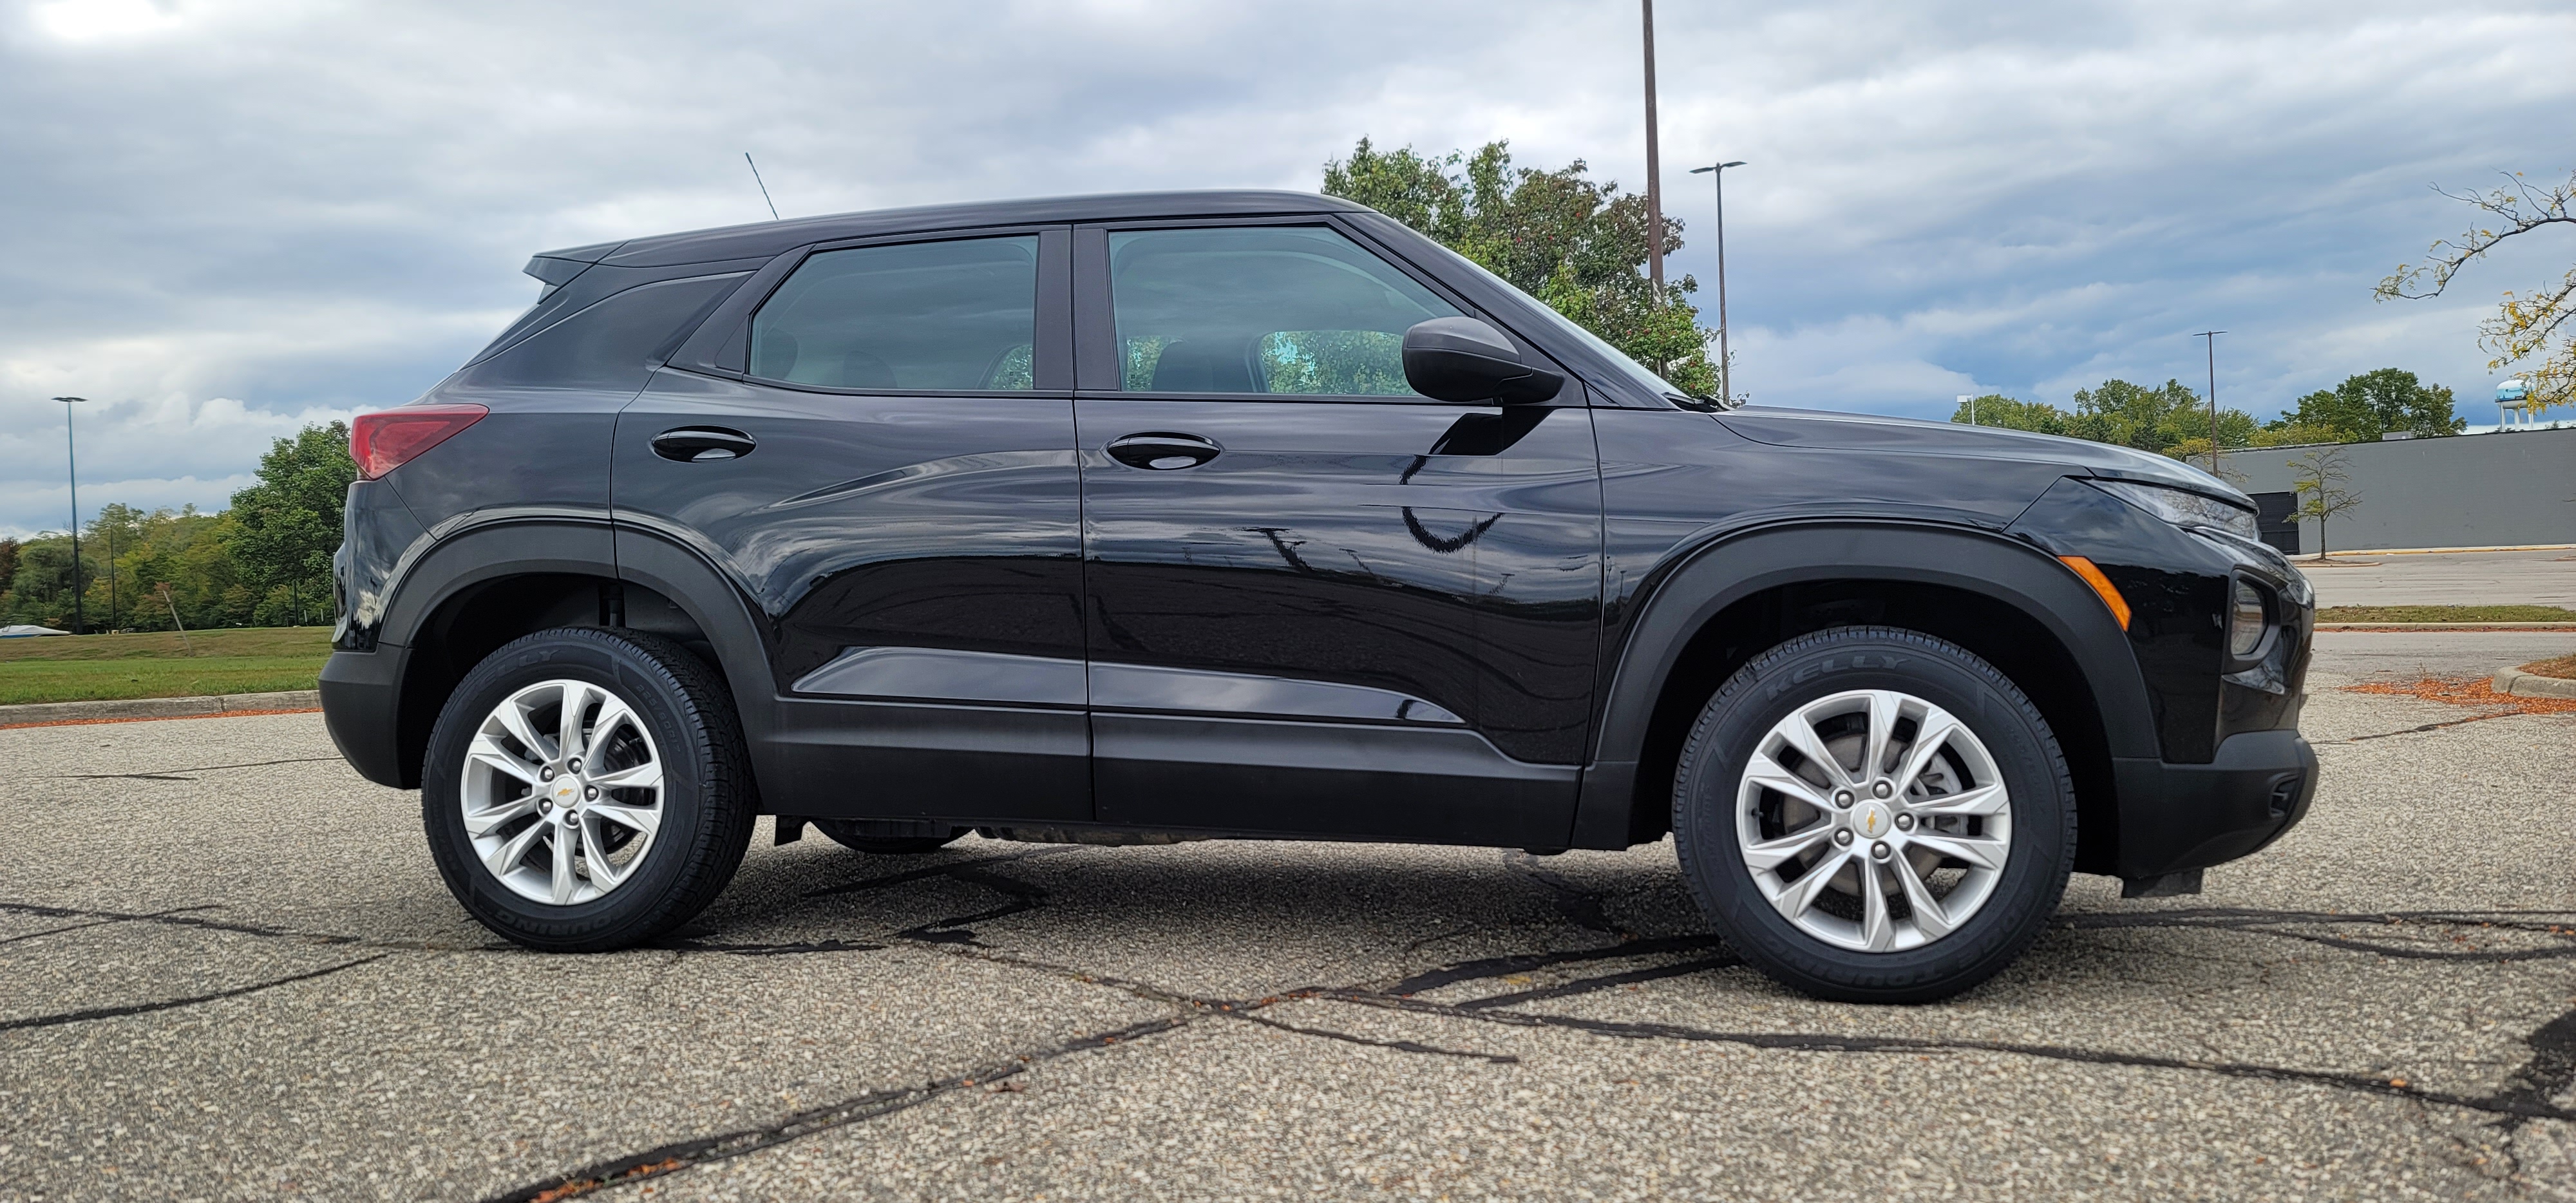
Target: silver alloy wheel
1874 820
562 792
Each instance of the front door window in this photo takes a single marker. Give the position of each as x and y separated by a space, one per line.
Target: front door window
1262 309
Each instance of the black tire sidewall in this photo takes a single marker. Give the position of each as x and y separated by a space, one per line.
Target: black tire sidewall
636 909
1795 674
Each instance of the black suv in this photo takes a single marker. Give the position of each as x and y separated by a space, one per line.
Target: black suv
1128 519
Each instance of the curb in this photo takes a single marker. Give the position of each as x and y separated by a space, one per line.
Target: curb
2525 685
2441 551
2446 626
137 708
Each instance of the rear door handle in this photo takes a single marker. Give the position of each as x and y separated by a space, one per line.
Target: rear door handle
702 444
1163 451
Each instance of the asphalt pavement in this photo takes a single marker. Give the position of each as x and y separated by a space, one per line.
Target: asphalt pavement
229 971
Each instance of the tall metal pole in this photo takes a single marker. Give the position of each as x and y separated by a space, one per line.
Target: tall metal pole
2212 337
1654 167
71 463
1725 360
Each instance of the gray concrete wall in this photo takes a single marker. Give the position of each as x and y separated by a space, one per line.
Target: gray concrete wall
2472 490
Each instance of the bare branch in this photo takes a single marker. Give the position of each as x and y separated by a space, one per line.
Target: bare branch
2522 211
2523 325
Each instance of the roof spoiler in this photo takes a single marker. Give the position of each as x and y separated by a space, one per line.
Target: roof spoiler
557 268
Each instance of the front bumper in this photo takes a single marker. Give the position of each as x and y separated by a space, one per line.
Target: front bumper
362 706
2177 817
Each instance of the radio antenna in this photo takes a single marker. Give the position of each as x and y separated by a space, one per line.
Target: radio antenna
764 186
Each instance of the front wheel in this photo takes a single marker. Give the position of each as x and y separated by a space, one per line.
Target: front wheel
1874 815
587 789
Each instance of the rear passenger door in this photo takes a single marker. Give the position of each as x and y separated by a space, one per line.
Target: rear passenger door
885 467
1319 602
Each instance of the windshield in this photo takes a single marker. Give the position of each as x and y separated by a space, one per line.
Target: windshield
1636 373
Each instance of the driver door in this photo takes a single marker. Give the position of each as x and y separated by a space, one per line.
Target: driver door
1317 602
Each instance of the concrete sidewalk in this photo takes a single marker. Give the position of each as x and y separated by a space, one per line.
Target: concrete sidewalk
2472 578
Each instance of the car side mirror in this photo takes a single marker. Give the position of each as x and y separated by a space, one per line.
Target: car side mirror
1462 359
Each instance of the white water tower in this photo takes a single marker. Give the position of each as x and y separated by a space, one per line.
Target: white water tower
2513 404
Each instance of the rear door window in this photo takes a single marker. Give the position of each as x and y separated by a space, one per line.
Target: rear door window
925 316
1261 309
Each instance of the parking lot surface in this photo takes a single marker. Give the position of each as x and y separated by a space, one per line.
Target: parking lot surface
229 971
2545 577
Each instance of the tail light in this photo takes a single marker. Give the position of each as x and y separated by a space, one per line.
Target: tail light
386 441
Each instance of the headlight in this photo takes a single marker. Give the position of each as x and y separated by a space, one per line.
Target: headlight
2184 508
2247 619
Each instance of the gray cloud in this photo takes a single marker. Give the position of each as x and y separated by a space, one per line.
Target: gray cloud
225 219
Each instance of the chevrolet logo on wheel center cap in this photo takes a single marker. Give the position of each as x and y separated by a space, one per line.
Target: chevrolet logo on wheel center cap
1872 820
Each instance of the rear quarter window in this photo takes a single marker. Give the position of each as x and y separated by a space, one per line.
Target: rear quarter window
613 344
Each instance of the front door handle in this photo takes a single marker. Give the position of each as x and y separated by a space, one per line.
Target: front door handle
1163 451
702 444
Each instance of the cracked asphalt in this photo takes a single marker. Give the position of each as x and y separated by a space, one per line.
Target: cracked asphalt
229 971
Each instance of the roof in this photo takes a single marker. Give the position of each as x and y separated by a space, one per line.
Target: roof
768 238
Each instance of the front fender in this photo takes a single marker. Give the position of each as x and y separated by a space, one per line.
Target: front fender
1705 580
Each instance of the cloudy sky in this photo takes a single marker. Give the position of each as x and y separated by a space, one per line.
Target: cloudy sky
221 220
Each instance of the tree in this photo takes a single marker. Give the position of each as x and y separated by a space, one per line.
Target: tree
2153 419
288 524
2170 419
2323 488
1577 245
2371 404
2290 432
8 563
40 591
2523 325
1995 409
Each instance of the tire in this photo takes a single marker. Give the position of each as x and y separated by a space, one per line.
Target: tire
856 835
1987 804
604 860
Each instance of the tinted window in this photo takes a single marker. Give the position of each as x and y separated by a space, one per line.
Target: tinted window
927 315
1262 309
610 346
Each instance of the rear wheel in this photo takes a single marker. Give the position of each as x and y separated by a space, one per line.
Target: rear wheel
587 789
1874 815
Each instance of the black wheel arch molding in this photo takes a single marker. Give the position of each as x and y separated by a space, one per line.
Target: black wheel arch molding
1625 788
380 701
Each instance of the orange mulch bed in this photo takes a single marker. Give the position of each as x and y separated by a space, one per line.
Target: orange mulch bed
151 718
2564 666
2476 692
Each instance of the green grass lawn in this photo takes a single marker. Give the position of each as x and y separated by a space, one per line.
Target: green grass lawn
77 668
2446 614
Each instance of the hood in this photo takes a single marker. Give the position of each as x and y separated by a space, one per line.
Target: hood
1869 432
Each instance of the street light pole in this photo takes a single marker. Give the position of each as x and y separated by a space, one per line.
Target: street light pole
2212 337
1654 167
1725 361
71 465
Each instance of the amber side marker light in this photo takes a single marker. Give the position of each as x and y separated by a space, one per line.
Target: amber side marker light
2101 584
